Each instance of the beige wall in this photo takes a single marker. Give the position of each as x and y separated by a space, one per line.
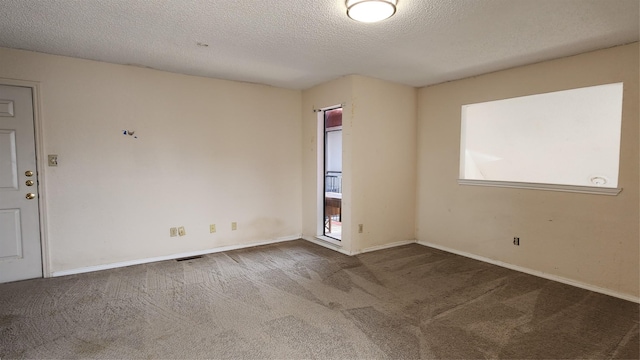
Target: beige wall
383 162
336 92
379 160
592 239
208 151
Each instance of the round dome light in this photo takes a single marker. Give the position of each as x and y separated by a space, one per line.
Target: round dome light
370 11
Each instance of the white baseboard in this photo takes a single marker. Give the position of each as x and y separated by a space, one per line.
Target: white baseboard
343 251
535 273
327 244
386 246
170 257
333 246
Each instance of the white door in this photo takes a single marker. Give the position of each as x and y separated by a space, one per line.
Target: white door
20 254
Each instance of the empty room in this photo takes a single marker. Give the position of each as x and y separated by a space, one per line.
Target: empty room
327 179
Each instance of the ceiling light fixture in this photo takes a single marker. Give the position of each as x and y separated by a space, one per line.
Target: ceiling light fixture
369 11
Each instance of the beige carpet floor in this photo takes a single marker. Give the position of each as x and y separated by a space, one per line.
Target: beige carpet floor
297 300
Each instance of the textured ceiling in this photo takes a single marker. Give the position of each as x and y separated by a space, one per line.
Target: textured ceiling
301 43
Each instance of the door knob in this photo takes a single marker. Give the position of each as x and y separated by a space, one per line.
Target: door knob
28 173
30 196
29 182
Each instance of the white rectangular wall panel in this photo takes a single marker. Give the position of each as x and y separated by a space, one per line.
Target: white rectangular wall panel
569 137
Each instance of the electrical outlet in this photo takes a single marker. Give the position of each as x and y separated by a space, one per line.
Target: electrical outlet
173 232
516 241
181 231
234 226
360 228
53 160
212 228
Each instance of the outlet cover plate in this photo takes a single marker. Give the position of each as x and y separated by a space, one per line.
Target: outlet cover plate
52 159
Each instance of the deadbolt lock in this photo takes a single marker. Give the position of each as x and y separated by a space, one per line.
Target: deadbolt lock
28 173
31 196
29 182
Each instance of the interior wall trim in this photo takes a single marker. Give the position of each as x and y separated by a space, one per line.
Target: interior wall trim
537 186
171 257
318 240
537 273
324 243
387 246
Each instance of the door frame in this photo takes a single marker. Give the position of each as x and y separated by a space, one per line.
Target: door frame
40 168
320 168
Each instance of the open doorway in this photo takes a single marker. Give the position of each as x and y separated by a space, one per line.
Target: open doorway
332 173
